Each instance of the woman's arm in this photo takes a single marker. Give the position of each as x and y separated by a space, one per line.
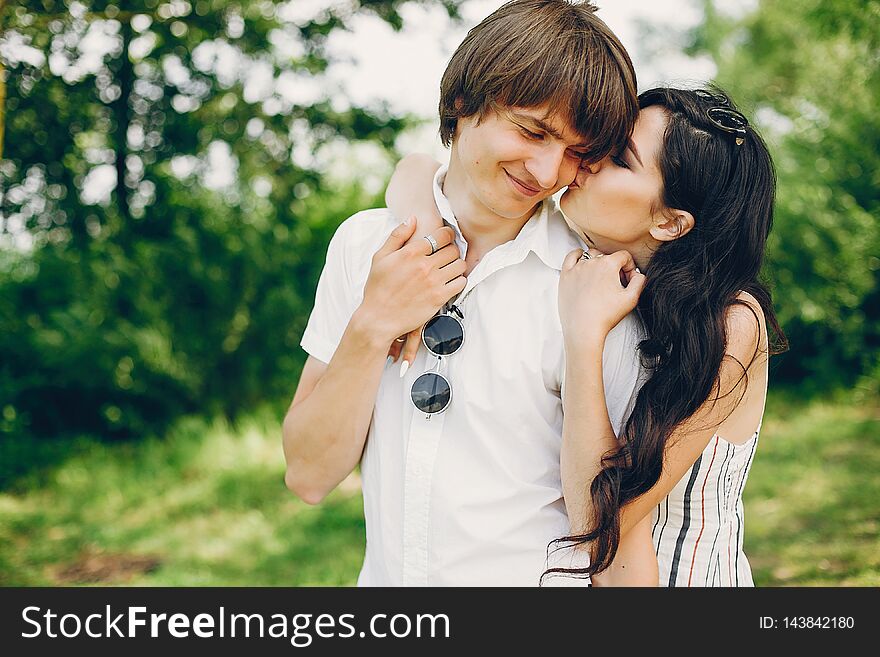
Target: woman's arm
592 301
410 192
735 414
635 563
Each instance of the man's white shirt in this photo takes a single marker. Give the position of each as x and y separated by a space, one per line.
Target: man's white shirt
471 496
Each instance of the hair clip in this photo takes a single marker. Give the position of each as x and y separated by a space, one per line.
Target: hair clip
730 121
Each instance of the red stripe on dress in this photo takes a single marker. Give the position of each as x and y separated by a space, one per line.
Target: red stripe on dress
702 511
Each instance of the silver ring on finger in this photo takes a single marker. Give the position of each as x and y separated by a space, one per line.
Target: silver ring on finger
586 256
434 246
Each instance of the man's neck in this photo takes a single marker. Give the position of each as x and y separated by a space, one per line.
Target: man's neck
480 226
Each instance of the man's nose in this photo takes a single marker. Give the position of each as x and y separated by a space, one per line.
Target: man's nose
546 166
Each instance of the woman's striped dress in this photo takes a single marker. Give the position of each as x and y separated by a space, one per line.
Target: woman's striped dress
698 528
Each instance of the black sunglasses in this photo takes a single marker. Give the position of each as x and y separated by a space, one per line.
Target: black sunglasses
442 335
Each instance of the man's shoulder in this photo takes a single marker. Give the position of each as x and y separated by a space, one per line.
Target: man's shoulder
626 337
366 223
364 232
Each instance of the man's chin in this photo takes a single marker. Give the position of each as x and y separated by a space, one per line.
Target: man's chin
515 213
508 206
517 208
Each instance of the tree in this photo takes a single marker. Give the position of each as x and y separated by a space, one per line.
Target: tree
809 73
166 293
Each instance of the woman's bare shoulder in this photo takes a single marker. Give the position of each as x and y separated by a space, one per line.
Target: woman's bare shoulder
743 377
746 328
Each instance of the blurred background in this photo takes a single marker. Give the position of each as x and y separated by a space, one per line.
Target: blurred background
171 173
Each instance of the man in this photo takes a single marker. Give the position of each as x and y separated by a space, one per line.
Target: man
467 491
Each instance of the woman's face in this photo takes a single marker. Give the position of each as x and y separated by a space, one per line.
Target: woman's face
615 203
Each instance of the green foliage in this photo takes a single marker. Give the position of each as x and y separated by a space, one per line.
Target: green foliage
809 73
206 317
171 294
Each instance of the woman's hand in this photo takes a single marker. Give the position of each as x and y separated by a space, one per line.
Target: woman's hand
410 193
406 346
409 281
595 294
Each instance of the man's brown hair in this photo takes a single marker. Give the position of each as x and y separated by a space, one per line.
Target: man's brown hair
531 52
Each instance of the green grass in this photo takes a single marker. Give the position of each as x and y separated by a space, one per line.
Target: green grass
207 506
812 500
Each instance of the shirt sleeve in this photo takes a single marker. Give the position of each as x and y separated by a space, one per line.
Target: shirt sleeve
623 374
336 298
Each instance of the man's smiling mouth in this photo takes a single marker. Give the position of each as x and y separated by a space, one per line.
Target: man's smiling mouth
526 190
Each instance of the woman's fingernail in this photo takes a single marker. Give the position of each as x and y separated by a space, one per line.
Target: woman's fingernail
408 221
389 360
638 271
404 366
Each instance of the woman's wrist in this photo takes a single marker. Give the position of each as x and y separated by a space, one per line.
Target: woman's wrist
427 221
370 330
588 346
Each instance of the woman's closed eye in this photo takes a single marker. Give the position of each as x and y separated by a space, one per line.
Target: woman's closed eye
618 160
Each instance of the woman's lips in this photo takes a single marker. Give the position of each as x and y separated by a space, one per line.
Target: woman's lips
523 189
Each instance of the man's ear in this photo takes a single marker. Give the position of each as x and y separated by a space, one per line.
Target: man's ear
671 224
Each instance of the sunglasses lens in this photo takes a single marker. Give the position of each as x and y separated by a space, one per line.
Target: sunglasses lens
431 393
443 335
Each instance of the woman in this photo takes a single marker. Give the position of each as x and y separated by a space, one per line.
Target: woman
689 202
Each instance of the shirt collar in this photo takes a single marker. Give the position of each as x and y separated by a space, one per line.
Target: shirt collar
545 233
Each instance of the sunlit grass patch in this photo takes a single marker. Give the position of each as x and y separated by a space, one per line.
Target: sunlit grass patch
813 497
206 505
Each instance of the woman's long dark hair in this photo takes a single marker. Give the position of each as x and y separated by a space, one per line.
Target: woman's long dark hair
692 282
